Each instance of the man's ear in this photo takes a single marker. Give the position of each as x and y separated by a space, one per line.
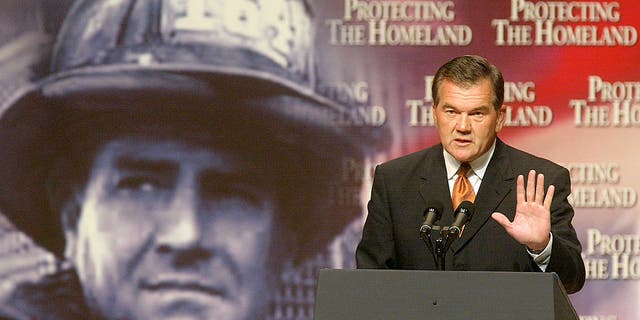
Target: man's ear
70 215
433 115
501 118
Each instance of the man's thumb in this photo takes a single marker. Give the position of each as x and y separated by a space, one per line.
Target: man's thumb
501 219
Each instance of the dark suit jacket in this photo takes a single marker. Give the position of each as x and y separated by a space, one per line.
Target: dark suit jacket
404 187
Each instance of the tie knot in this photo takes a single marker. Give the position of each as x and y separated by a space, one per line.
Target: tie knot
462 188
464 169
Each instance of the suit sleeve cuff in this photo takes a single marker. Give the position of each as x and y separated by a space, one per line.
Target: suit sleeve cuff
543 257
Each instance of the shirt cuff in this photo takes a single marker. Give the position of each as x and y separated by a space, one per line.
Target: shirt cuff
542 259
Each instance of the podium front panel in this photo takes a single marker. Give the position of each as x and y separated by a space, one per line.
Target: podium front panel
434 295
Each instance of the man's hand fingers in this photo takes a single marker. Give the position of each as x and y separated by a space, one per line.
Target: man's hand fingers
540 189
520 190
531 187
549 197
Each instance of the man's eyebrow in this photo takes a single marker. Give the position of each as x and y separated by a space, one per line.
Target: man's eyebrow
142 164
449 106
223 177
481 108
478 108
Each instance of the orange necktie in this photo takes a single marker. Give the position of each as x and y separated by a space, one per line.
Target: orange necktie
462 188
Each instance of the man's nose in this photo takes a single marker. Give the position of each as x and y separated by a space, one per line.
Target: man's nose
180 228
464 123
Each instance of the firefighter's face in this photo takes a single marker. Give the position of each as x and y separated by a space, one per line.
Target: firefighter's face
171 230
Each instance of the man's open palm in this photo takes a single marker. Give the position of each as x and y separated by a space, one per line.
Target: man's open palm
532 222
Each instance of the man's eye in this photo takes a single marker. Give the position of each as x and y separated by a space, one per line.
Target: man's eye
138 183
245 195
216 189
249 195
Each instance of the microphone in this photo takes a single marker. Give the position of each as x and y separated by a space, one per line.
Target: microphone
431 216
462 214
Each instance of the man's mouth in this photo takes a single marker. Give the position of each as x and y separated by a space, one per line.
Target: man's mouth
462 141
184 284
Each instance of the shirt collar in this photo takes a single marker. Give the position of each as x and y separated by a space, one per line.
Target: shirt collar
478 166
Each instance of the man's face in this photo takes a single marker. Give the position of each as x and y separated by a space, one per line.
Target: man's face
170 230
466 119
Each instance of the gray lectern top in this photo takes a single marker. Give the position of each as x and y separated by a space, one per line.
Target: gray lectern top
440 295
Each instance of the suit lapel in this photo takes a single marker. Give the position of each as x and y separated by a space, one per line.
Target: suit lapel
434 187
497 182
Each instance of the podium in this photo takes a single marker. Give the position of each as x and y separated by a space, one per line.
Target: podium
440 295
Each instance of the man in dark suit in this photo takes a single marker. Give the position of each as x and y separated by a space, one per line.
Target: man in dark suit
516 225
